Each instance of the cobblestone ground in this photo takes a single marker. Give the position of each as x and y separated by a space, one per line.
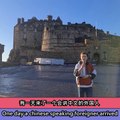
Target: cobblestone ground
55 81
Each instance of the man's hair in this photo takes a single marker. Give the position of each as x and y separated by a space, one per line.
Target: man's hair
83 53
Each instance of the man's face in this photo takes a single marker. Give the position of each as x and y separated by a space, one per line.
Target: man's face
83 57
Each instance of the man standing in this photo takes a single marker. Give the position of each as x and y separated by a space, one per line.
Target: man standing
84 73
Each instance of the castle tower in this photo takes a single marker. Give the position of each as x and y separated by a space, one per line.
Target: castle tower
48 39
18 33
1 52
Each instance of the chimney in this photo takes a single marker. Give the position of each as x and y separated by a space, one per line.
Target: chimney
22 20
18 21
49 18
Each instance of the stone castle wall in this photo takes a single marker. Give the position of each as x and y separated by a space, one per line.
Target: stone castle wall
1 52
50 38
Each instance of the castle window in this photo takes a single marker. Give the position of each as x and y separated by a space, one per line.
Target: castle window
68 35
25 30
31 28
24 36
35 30
25 41
35 42
47 28
59 36
79 40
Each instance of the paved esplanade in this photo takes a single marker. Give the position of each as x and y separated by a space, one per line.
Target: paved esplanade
55 81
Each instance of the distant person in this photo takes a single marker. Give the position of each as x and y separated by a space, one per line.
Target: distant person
84 73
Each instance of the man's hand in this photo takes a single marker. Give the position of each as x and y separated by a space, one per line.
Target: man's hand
81 67
87 76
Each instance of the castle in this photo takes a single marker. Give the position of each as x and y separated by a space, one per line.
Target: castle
50 38
1 52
